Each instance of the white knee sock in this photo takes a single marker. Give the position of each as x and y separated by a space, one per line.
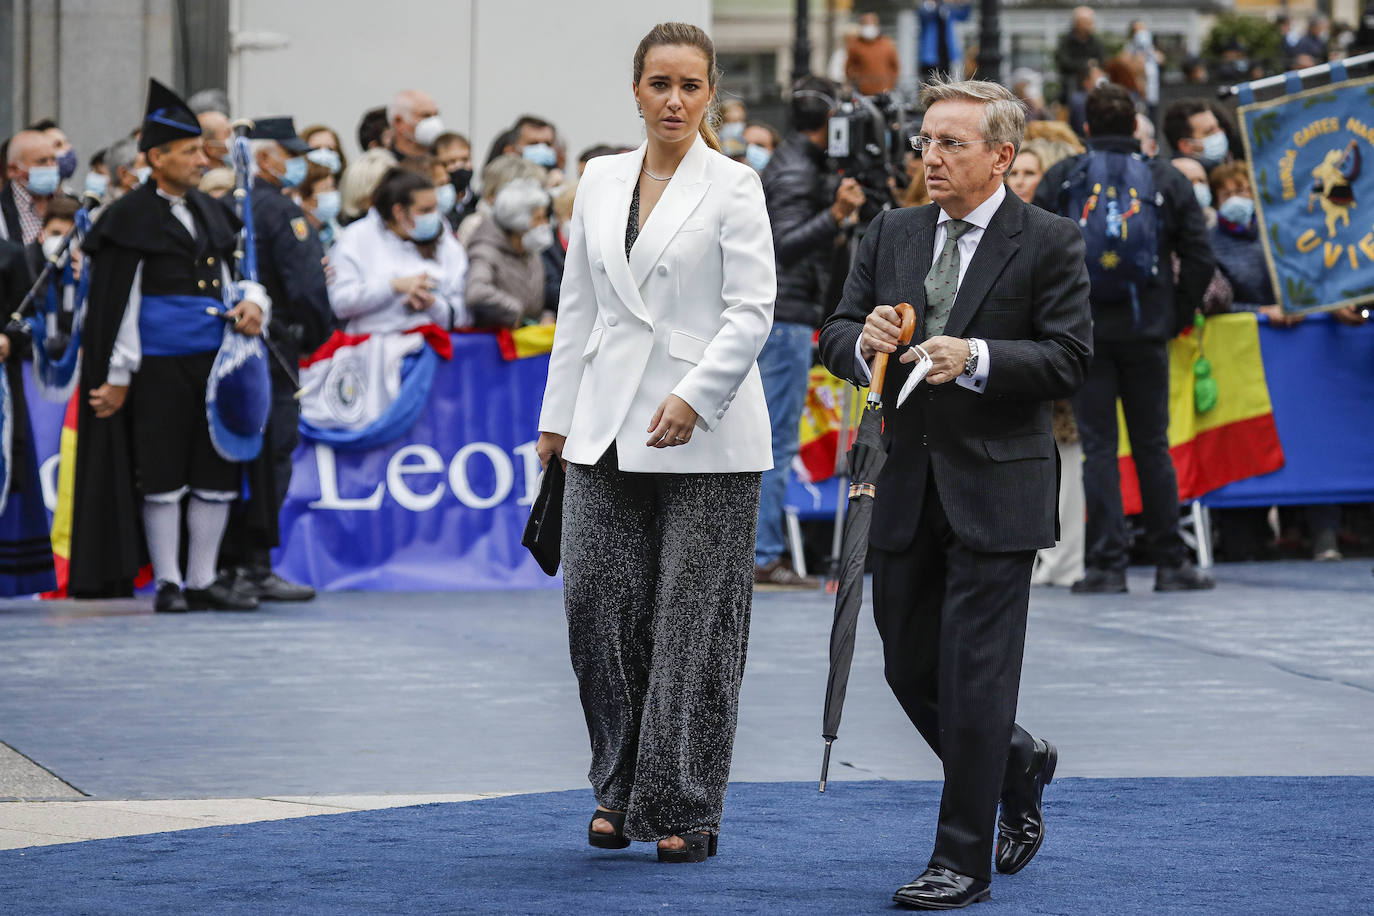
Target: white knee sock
162 525
205 523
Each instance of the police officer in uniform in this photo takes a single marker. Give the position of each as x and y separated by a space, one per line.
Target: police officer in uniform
291 269
159 257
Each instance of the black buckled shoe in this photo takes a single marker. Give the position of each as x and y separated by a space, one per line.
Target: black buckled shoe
169 599
1182 578
273 587
699 847
1021 828
938 888
220 596
1100 582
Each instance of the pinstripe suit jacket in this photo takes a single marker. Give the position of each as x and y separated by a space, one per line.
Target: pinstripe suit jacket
992 454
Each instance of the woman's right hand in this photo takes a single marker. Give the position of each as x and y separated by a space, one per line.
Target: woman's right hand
549 447
416 289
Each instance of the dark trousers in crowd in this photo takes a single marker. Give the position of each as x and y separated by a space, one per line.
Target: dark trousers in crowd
953 625
1137 372
658 585
253 526
785 368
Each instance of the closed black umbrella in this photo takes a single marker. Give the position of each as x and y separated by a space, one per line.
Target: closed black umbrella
866 458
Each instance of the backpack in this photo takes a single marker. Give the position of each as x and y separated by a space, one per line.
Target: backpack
1113 198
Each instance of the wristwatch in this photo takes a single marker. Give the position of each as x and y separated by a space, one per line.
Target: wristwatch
971 364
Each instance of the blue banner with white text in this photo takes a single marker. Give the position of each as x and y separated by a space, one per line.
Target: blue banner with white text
1312 166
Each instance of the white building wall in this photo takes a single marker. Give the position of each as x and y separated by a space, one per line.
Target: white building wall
484 61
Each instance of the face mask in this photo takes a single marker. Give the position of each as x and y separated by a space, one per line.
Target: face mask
448 197
757 156
427 226
295 172
541 154
1237 210
460 179
51 246
97 183
1214 149
732 131
1144 39
327 158
143 174
869 32
66 164
327 204
228 160
1203 193
537 238
43 180
428 130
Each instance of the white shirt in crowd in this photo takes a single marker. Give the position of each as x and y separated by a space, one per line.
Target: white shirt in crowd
368 256
967 244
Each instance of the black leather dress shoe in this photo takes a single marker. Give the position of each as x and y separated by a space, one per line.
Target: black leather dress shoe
1100 582
1021 828
938 888
1182 578
220 597
169 599
273 587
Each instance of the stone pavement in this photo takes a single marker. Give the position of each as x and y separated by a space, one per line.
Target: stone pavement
111 711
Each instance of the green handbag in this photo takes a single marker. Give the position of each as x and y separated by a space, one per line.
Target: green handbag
1204 386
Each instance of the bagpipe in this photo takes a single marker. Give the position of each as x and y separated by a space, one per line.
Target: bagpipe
53 311
238 398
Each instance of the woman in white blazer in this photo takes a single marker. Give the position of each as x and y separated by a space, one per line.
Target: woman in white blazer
655 405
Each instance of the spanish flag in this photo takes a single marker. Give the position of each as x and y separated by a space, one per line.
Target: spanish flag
1233 440
522 343
66 489
821 421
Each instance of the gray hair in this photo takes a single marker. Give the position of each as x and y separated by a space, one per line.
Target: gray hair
513 209
209 100
1004 115
506 168
121 154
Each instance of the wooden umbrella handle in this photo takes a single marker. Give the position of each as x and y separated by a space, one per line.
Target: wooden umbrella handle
908 316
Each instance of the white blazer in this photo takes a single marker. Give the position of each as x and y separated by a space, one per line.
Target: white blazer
686 315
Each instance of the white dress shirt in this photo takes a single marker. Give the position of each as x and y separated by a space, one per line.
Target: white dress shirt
967 245
368 256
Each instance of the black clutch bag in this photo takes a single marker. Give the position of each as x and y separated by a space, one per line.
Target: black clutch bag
544 531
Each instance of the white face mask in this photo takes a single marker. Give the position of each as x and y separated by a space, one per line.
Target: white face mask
428 130
51 246
537 238
869 32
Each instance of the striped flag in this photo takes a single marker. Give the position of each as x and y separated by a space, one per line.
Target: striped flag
1234 440
66 490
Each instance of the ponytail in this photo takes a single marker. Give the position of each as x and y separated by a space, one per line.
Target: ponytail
708 131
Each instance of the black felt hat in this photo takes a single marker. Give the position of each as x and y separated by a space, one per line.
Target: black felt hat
166 118
283 130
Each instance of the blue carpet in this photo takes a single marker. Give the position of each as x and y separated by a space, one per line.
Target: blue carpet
1114 846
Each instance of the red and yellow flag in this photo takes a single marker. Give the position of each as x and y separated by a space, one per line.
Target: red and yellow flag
66 490
1234 440
820 422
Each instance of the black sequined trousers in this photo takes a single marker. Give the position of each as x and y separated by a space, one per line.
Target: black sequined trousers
658 582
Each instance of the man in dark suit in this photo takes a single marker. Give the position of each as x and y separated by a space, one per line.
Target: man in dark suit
969 490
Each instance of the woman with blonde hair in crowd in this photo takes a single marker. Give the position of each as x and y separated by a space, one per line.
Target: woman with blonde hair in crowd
498 173
506 278
360 180
667 300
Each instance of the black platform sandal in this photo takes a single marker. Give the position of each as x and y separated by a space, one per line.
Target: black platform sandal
616 840
699 847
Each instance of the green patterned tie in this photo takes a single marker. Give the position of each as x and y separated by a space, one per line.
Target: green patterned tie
942 283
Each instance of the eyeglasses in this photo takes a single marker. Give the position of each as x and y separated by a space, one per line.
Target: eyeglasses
947 147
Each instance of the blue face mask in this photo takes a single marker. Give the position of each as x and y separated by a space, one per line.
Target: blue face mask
448 197
1237 210
327 158
43 180
327 204
732 131
757 156
541 154
66 164
1214 149
427 226
97 183
295 172
1203 193
143 174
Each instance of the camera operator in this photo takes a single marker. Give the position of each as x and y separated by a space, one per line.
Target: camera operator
807 231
